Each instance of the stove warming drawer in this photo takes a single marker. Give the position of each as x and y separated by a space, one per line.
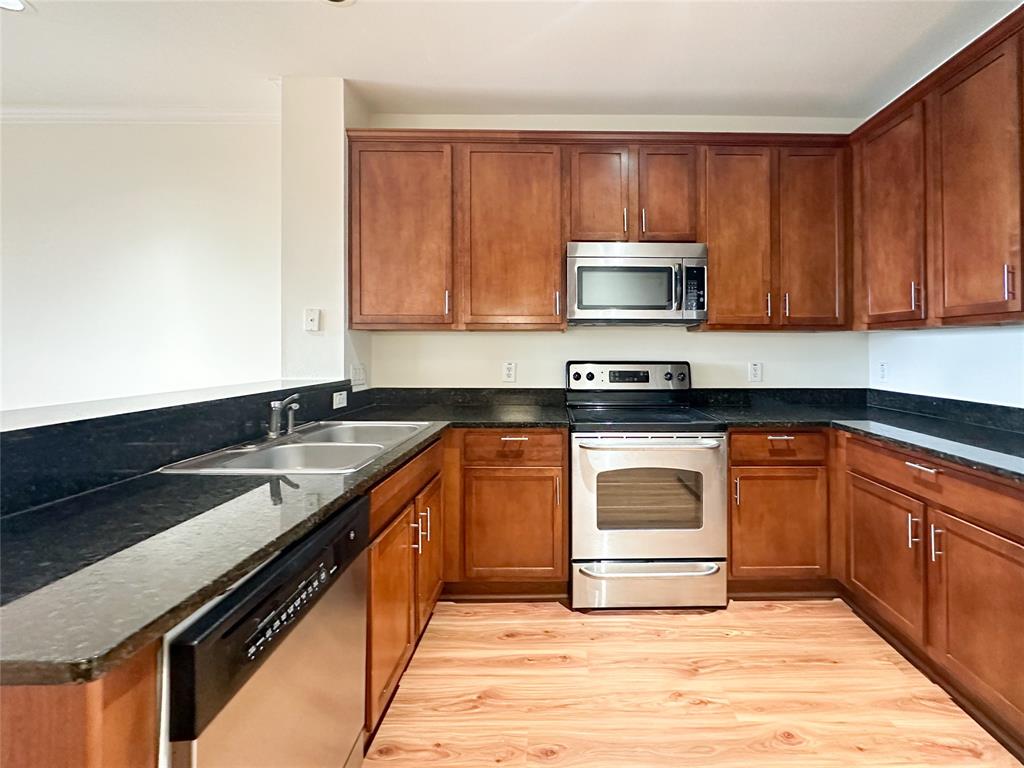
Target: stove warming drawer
649 584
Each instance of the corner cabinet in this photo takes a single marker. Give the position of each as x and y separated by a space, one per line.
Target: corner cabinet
400 265
509 242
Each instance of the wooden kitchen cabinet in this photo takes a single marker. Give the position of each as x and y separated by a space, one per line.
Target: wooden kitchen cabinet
391 618
976 612
599 193
739 233
430 555
779 522
508 226
811 223
401 235
975 172
668 194
892 219
638 193
886 553
514 523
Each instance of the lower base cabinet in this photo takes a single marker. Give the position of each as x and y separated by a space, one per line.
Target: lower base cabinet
514 524
976 612
391 622
886 554
779 522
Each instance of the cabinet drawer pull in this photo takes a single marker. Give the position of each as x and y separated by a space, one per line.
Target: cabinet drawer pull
933 534
922 468
508 439
781 437
911 539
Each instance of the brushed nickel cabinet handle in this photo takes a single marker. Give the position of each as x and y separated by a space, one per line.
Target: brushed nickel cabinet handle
913 295
558 491
785 303
447 304
625 219
418 546
1009 290
781 437
922 468
933 535
769 303
643 219
911 539
558 303
736 492
508 439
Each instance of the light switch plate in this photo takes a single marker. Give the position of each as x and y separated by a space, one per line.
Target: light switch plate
358 374
508 373
755 372
339 399
883 371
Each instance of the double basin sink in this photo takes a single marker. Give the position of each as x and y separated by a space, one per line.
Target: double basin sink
323 447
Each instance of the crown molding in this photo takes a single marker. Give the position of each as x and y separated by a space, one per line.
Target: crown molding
131 115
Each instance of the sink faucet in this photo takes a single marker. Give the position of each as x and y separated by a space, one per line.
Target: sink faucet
289 404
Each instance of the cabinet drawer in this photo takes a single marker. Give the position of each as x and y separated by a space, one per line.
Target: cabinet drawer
777 447
976 499
518 447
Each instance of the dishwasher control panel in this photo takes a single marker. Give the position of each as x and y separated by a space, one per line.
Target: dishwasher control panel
295 605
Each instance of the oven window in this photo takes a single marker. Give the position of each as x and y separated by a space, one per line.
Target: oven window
624 287
645 498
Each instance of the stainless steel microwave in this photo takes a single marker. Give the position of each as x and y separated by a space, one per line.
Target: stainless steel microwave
637 283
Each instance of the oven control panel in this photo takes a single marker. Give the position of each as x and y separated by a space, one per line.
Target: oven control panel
626 375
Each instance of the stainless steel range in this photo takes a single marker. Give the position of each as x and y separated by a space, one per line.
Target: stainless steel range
649 508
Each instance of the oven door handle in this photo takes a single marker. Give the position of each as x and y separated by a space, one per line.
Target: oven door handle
706 569
618 445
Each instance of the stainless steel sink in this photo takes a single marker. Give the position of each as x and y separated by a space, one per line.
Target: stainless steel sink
384 433
324 447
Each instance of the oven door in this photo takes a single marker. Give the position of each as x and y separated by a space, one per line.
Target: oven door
643 498
622 289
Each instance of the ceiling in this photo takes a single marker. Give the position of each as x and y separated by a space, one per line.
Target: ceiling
817 58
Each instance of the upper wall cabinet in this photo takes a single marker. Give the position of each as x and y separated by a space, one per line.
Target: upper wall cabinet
975 186
812 249
646 192
401 234
892 220
739 233
509 234
599 191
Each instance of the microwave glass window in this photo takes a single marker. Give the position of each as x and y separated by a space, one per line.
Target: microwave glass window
624 287
646 498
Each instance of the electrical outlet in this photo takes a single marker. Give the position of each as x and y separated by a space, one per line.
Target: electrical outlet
358 375
339 399
508 373
883 371
755 372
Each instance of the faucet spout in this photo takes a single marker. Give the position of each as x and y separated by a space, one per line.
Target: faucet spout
277 407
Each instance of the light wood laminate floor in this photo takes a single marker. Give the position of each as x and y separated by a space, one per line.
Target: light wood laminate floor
759 684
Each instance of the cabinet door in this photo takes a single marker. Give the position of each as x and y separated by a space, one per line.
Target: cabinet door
514 524
391 613
401 234
812 242
976 612
430 559
668 193
599 191
977 175
892 219
886 566
509 229
779 525
739 231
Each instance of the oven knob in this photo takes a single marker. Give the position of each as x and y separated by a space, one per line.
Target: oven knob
590 377
668 376
681 376
577 376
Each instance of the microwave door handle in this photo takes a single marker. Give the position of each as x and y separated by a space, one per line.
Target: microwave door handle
677 288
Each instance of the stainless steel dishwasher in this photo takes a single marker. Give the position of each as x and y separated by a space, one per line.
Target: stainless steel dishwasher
273 675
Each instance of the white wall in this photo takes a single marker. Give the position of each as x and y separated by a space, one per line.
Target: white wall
473 359
980 364
137 259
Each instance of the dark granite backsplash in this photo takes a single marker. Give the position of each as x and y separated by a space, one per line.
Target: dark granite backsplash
43 464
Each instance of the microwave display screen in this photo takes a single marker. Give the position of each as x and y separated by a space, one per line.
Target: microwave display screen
624 287
629 377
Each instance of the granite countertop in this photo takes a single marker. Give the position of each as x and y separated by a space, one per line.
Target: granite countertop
90 580
467 415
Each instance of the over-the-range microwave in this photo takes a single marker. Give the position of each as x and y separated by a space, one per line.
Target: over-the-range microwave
637 283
